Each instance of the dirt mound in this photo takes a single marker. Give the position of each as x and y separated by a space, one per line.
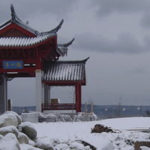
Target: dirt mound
98 128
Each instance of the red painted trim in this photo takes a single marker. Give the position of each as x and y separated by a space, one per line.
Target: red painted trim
25 61
15 26
25 70
62 106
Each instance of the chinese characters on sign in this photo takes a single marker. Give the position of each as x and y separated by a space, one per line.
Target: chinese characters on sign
13 64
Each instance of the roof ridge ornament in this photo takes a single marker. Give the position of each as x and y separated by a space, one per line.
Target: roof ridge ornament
67 44
58 27
86 59
13 13
55 30
62 49
15 19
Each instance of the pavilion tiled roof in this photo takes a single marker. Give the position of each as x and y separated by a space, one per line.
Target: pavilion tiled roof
31 41
23 41
64 71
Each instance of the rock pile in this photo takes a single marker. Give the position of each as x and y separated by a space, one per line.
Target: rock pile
18 135
15 134
98 128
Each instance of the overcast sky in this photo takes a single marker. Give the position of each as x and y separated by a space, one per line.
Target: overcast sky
114 33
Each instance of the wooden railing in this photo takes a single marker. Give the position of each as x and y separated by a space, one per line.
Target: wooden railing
63 106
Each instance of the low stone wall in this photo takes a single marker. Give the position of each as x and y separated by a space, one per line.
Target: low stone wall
55 117
30 117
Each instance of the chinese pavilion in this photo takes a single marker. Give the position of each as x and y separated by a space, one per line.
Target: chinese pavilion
25 52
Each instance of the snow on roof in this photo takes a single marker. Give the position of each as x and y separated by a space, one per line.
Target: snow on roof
23 41
64 71
102 141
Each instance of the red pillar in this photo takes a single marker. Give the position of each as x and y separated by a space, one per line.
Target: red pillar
78 97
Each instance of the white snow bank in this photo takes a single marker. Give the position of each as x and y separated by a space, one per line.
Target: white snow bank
145 148
123 139
127 123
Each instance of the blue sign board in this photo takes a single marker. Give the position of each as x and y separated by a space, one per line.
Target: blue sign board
16 64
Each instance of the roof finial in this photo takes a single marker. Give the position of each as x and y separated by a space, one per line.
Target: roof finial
69 43
55 30
13 13
58 27
86 59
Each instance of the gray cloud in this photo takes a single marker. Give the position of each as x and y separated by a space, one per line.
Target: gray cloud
139 70
121 6
125 43
145 21
109 73
28 7
107 7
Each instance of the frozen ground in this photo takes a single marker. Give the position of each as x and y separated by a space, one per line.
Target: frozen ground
127 130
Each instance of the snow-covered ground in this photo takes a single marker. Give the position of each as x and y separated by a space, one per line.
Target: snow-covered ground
127 131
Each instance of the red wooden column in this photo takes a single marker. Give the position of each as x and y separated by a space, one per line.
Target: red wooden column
78 97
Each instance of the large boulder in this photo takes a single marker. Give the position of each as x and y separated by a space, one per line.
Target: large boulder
19 119
44 143
10 118
78 146
22 138
9 142
8 129
28 129
62 146
28 147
